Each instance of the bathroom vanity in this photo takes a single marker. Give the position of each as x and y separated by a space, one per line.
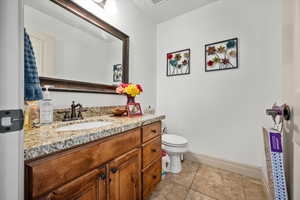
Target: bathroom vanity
121 161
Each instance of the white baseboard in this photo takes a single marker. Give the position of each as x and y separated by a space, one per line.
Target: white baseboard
245 170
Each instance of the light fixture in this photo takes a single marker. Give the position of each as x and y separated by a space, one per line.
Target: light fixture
100 2
101 8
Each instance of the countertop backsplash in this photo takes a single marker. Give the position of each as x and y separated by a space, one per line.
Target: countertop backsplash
58 114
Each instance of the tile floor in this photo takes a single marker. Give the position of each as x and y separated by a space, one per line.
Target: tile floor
202 182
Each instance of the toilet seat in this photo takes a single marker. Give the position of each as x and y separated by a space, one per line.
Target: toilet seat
174 140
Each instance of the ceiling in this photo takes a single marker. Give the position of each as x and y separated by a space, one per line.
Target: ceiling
167 9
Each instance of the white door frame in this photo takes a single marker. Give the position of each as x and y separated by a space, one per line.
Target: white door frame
291 90
11 97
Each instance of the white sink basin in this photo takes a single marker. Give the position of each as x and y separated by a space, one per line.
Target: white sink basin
82 126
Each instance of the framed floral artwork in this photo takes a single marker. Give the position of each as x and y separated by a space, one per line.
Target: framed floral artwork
221 55
178 62
117 73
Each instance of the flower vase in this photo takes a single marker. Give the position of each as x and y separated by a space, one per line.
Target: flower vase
130 99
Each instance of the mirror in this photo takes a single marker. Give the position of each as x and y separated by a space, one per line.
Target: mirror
75 51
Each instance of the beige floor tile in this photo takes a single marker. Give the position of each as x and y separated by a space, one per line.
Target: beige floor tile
219 184
168 190
157 197
253 189
201 182
186 176
190 166
192 195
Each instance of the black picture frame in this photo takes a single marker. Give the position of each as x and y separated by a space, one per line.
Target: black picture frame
223 41
116 70
188 65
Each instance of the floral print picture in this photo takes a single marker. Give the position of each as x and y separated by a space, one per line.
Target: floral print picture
178 63
117 73
221 55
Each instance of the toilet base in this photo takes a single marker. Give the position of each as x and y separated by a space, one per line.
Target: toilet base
175 154
175 163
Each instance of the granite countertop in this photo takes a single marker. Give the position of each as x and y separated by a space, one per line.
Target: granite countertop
45 140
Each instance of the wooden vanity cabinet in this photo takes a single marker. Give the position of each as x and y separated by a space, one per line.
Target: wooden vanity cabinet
91 186
125 177
151 154
151 131
151 177
126 166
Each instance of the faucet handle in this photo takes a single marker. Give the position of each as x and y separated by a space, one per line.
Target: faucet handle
80 111
67 116
66 113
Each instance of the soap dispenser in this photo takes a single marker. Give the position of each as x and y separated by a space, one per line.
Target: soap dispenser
46 107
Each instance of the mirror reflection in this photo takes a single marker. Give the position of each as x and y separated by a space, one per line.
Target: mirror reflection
68 47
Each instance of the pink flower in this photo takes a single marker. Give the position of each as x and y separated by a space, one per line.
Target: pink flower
120 90
124 85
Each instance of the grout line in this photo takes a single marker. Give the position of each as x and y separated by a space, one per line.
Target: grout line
190 187
243 187
194 177
213 198
186 195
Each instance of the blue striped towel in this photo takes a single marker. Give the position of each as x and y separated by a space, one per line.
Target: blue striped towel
33 90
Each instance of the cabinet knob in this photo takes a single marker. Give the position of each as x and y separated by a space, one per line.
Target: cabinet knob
114 170
153 131
153 150
154 177
102 176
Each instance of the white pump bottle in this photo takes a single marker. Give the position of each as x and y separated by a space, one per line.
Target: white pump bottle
46 107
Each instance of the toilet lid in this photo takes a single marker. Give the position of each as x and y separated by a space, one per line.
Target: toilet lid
173 140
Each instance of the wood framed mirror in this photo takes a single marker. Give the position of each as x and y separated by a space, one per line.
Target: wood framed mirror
77 66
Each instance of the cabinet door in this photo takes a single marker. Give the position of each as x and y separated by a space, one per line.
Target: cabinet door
151 177
125 177
91 186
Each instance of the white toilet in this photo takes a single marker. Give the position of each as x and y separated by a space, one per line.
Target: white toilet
175 146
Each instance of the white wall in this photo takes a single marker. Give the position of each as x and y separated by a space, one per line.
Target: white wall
142 32
221 113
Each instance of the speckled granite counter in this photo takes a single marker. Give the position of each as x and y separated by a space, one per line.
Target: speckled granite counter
46 140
